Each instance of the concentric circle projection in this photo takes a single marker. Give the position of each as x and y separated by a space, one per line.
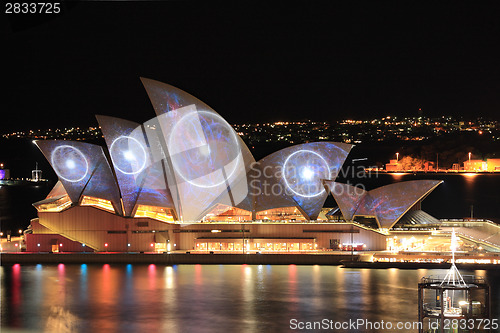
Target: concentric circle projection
204 149
303 171
128 155
69 163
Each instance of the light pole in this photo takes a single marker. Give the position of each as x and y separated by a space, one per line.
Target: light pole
469 156
352 241
243 239
397 157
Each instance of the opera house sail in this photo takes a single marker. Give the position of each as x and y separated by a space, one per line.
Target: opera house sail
185 180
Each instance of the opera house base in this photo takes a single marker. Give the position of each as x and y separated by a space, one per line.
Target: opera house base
89 229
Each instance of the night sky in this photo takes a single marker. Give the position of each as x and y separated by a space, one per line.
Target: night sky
252 61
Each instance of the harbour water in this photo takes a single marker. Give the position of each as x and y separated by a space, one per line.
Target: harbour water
207 298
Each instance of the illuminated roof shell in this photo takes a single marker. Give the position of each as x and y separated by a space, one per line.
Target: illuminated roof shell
207 160
387 203
347 197
82 168
294 176
140 178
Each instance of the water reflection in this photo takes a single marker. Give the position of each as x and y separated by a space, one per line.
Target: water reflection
131 298
83 283
16 295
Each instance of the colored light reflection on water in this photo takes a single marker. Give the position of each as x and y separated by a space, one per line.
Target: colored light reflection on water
83 282
205 298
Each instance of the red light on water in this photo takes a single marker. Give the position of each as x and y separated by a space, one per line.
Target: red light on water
16 287
60 269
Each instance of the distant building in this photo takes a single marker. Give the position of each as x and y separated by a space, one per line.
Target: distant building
4 173
36 175
493 164
429 166
475 165
392 166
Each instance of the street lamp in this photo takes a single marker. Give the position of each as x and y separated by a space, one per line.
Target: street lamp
469 156
397 157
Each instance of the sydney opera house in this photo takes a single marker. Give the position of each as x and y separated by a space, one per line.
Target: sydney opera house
185 180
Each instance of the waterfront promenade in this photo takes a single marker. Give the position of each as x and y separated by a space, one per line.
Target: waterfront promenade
174 258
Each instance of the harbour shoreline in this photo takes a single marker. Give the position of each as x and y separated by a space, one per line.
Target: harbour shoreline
173 258
345 260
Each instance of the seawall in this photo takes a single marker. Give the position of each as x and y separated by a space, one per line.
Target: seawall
173 259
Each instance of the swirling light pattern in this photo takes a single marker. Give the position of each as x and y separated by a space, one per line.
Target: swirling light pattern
128 155
69 163
303 171
204 149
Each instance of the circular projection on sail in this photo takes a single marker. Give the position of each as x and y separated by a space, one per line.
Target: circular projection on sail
128 155
303 172
69 163
204 149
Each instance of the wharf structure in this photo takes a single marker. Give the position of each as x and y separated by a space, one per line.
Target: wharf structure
455 303
185 181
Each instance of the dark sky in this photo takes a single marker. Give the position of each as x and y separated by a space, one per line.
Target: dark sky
253 61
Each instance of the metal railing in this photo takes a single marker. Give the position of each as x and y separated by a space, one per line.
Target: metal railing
469 279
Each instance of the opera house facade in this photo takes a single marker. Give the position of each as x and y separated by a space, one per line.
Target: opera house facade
185 180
